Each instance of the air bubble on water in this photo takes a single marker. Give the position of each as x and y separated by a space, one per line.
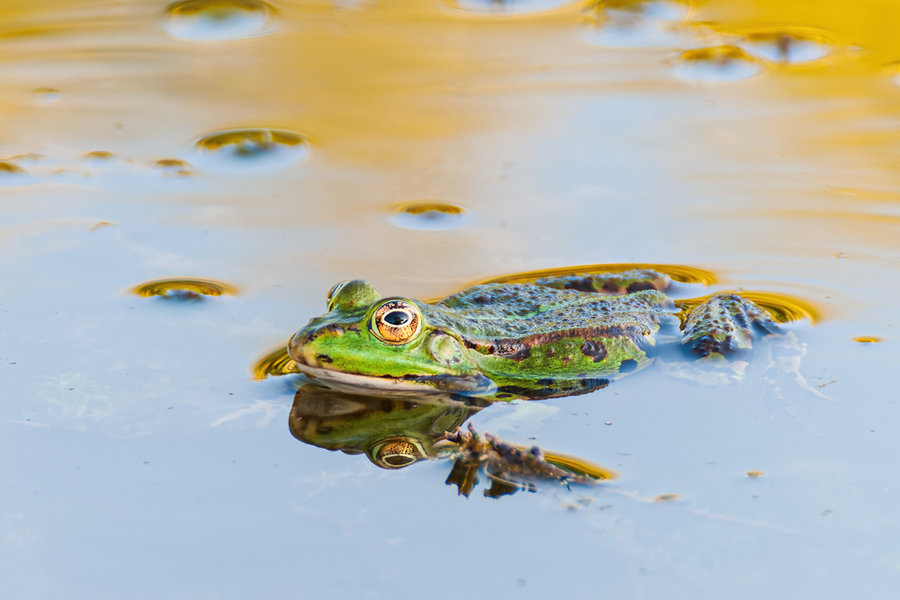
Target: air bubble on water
637 23
430 216
47 95
183 288
788 46
508 7
252 148
173 166
98 155
716 64
218 20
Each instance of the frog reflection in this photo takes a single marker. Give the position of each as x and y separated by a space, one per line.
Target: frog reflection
395 432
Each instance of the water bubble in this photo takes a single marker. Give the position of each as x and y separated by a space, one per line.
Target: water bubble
637 23
47 95
430 216
755 474
867 339
218 20
183 288
173 166
507 7
254 147
716 63
788 46
98 155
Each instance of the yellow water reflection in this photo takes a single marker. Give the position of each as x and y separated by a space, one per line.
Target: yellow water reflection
187 288
682 273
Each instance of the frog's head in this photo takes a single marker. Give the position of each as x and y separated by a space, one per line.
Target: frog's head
366 341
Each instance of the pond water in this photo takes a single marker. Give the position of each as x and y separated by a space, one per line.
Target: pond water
280 147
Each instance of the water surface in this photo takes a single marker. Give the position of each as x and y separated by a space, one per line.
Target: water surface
277 148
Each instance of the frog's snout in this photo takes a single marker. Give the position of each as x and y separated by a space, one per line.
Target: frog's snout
298 348
301 347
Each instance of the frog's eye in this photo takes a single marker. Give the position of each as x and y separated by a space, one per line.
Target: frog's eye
396 452
397 322
333 292
349 295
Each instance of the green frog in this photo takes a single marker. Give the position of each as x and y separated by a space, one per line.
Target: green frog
551 336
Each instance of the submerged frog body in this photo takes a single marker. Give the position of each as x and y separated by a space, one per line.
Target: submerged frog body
555 336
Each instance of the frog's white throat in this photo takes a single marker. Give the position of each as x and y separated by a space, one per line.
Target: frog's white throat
353 382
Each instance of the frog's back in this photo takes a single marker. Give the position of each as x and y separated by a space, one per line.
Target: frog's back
530 314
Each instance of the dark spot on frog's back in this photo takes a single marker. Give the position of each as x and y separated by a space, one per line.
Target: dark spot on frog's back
508 348
323 358
594 349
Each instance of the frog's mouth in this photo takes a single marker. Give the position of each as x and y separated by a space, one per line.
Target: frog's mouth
477 385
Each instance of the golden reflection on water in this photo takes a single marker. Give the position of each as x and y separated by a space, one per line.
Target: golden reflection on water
681 273
782 307
274 363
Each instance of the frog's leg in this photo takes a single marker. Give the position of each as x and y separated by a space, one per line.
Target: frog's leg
623 282
723 323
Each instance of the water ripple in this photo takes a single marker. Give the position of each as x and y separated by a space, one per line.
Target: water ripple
218 20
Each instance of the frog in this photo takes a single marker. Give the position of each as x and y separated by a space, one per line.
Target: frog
551 336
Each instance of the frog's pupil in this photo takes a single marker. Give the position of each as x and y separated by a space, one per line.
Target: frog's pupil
397 318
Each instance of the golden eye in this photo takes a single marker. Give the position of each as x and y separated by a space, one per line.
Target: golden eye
396 452
397 322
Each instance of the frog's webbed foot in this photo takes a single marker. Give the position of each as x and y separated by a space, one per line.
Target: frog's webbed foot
622 282
509 467
723 324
